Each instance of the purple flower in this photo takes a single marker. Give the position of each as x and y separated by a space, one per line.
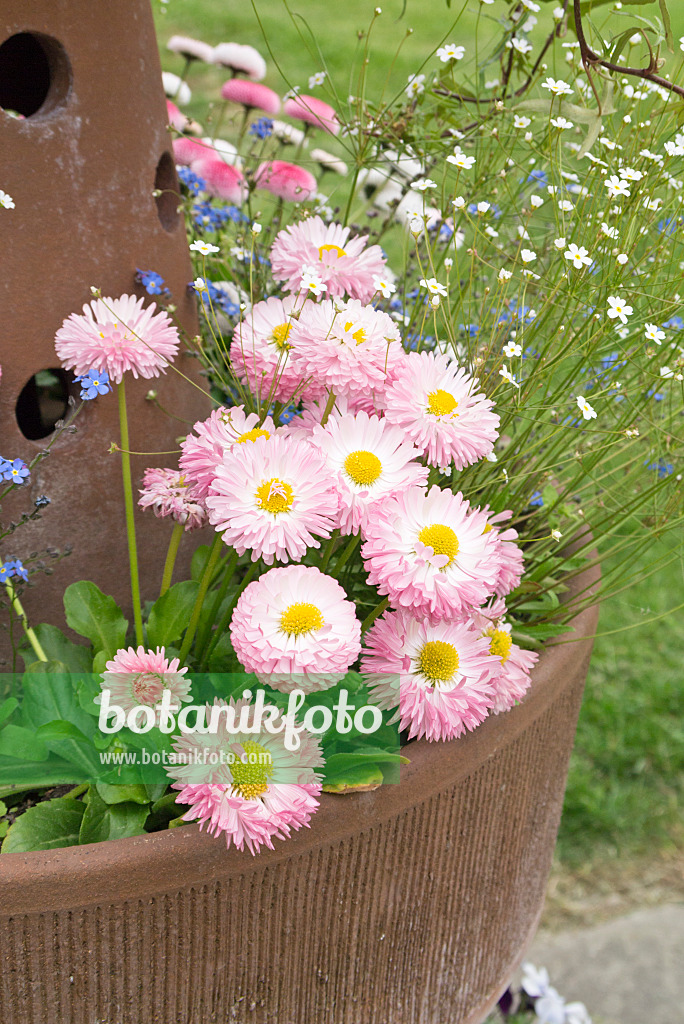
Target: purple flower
13 568
93 383
16 471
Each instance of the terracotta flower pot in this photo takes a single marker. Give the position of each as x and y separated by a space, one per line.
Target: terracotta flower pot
408 905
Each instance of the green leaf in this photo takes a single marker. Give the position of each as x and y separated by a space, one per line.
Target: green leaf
365 777
667 25
171 613
57 647
103 821
46 826
199 561
50 699
122 794
22 744
96 616
7 708
3 808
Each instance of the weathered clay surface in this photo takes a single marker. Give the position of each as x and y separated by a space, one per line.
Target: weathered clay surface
408 905
82 171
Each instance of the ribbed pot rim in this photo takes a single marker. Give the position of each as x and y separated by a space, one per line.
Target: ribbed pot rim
141 866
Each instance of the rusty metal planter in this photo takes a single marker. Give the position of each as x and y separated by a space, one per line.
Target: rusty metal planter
409 905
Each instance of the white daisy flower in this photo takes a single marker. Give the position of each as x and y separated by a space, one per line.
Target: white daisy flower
317 79
536 202
588 412
521 122
450 52
616 186
559 243
6 200
512 349
622 258
504 275
415 85
205 248
557 86
618 309
565 205
460 160
561 123
507 375
578 256
433 286
423 184
458 203
653 333
385 287
527 255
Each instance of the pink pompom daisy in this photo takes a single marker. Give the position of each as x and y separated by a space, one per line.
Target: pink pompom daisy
191 49
438 406
117 335
295 629
188 151
251 95
274 498
302 426
349 348
167 493
261 352
286 181
203 451
370 459
177 118
511 678
508 553
437 676
313 112
221 180
137 677
344 264
430 553
241 59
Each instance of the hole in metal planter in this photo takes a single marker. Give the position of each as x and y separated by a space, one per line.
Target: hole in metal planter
35 74
43 401
166 184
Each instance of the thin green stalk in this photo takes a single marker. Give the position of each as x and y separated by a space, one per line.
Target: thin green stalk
203 635
174 543
130 522
207 575
21 615
228 614
372 616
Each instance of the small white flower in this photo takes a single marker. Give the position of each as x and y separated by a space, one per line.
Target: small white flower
587 411
665 371
256 228
200 285
536 202
458 203
507 375
622 258
558 13
565 205
609 231
653 333
579 257
491 232
505 275
559 243
521 122
311 282
523 232
433 286
535 981
6 200
448 263
520 45
512 349
618 309
205 248
556 534
527 255
528 136
317 79
557 86
450 52
483 207
629 174
652 204
423 184
434 301
616 186
460 160
385 287
561 123
416 225
415 85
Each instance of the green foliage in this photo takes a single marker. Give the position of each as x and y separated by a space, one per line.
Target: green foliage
96 616
170 614
46 826
115 820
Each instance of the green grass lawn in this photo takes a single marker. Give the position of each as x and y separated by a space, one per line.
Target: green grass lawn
625 783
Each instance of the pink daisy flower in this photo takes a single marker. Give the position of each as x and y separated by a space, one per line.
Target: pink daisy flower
261 352
370 459
177 118
313 112
295 629
508 552
437 404
137 677
349 348
286 181
203 451
274 498
221 180
344 264
167 493
302 426
241 59
430 553
191 49
438 677
187 151
251 95
511 679
117 335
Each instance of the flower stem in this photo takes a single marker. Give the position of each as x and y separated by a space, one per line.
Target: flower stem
228 614
21 614
204 633
174 543
372 616
328 408
329 549
207 575
128 504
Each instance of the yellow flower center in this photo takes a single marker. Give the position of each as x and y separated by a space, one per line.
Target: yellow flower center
500 643
250 780
301 617
438 661
359 336
363 467
275 496
330 248
252 435
441 539
280 335
441 403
